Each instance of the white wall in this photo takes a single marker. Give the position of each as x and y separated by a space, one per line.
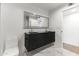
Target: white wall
55 24
12 18
71 27
0 29
70 34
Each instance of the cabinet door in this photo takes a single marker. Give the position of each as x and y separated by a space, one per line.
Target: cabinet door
52 36
33 42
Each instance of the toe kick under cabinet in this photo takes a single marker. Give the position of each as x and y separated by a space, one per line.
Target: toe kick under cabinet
35 40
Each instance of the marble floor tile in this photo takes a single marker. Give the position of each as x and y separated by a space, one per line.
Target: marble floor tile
52 51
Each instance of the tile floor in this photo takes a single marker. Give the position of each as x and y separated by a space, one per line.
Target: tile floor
52 51
55 52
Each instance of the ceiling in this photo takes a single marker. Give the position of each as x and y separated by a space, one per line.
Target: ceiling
48 6
44 6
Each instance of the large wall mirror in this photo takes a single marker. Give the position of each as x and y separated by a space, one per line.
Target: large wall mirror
32 21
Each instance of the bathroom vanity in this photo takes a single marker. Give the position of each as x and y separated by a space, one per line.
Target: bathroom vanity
35 40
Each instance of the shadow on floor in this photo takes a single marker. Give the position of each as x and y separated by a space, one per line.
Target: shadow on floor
31 53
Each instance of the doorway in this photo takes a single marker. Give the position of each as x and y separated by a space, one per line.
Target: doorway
70 34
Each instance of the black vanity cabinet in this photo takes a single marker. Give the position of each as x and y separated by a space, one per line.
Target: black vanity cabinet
36 40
